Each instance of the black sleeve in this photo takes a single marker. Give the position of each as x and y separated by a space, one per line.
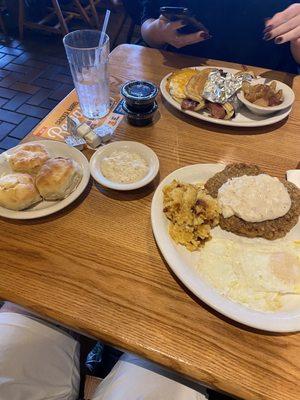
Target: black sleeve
150 9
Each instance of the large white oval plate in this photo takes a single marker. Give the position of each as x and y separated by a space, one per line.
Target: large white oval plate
56 149
244 118
181 262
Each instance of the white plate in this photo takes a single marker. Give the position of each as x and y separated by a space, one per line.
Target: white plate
244 118
182 262
56 149
144 151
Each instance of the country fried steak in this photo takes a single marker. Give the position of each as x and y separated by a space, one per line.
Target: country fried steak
271 229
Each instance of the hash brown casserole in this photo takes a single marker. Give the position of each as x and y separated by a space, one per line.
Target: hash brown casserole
192 214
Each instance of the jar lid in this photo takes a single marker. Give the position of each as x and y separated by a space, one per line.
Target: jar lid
142 114
139 91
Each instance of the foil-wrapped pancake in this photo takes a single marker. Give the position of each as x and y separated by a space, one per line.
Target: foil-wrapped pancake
220 86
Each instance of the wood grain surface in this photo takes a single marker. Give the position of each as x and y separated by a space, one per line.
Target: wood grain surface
95 267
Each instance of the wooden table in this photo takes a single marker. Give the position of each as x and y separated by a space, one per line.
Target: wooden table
96 268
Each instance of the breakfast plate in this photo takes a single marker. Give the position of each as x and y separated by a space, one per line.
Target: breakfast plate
185 264
124 148
43 208
244 117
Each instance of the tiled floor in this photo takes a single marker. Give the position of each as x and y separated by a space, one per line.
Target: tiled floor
34 77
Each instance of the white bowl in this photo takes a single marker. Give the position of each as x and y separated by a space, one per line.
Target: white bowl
288 95
144 151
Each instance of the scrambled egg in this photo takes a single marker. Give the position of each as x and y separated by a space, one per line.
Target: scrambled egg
177 83
257 275
192 213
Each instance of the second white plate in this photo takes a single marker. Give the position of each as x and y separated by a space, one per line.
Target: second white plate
183 262
243 118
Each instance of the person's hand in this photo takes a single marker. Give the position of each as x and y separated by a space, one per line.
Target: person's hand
170 35
284 26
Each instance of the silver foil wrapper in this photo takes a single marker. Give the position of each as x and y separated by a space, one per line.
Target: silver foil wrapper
72 124
221 86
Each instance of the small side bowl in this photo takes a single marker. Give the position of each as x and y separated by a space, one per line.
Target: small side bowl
288 94
148 154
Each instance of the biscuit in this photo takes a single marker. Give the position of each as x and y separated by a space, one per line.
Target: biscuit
28 158
58 178
18 191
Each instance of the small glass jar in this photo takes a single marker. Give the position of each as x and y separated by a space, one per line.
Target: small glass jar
139 95
140 117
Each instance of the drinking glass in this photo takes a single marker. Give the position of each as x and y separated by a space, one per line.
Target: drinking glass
89 66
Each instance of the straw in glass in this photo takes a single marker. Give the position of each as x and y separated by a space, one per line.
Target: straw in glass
102 35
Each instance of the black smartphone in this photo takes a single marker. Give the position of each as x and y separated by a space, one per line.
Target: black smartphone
192 25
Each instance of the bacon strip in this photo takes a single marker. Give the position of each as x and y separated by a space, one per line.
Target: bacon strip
188 104
216 110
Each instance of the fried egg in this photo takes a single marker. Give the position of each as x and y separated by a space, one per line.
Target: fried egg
257 275
177 83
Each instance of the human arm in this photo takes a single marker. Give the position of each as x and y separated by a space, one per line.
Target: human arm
160 31
284 27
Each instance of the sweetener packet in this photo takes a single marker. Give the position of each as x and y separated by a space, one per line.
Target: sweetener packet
75 141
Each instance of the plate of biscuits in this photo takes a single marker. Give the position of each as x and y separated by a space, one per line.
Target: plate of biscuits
227 96
40 178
